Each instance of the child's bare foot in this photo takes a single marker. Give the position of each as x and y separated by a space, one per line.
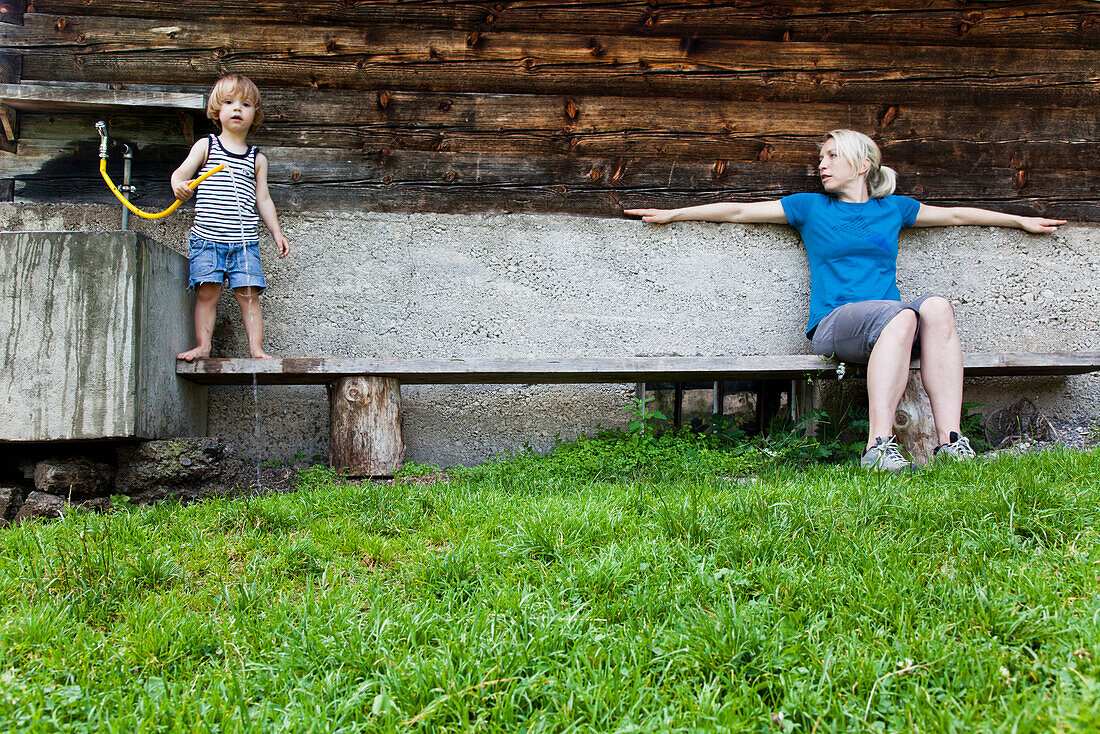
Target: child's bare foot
260 354
191 354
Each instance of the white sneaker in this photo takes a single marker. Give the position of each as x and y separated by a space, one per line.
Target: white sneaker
957 450
885 456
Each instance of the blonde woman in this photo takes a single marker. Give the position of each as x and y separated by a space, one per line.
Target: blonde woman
856 312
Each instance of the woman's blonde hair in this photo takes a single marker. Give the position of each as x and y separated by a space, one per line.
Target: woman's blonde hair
225 88
855 147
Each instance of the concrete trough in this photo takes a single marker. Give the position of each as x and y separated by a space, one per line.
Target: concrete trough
90 324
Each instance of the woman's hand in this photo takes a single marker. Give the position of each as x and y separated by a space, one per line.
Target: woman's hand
1040 225
652 216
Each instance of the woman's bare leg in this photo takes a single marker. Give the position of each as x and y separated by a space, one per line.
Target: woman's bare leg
941 365
888 372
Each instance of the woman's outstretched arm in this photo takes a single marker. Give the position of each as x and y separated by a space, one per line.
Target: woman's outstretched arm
941 216
760 212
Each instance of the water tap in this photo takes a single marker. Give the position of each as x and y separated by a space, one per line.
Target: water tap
101 128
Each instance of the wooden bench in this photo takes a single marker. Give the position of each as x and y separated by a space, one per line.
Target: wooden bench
365 394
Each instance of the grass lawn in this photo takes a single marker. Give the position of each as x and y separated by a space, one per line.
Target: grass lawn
529 595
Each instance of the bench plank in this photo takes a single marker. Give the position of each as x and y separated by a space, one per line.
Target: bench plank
323 370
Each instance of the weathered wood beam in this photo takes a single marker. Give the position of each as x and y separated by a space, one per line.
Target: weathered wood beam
97 49
298 177
78 97
10 121
934 22
323 370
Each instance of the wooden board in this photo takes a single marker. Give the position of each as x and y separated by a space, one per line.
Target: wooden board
934 22
321 370
92 49
88 97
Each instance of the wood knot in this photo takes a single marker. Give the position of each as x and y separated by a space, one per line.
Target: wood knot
441 145
594 174
765 154
650 21
449 176
962 29
719 168
383 99
560 190
61 23
618 175
689 46
445 105
490 19
296 176
528 62
643 65
595 48
1087 23
353 393
571 110
888 115
786 35
1019 179
472 39
82 38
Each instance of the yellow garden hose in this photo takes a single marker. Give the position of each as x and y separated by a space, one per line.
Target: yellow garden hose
147 215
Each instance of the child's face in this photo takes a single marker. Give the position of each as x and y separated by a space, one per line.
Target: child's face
236 113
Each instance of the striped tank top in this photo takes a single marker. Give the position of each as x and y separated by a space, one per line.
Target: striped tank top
225 206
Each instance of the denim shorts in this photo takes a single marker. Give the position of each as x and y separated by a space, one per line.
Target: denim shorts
213 262
850 331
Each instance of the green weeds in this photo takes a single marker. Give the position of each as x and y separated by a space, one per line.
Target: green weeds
593 589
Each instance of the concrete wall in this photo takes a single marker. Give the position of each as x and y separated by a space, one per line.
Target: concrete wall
89 323
397 285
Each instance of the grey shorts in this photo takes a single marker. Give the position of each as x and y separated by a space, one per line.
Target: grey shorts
850 331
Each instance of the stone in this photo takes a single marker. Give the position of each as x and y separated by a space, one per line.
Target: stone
11 499
40 505
186 468
77 477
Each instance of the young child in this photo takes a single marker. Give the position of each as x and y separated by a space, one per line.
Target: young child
224 241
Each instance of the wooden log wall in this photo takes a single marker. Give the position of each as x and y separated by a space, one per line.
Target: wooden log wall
581 106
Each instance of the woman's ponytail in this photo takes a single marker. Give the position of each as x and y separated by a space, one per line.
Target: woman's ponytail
881 181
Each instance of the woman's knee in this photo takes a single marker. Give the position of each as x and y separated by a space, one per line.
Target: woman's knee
902 326
937 312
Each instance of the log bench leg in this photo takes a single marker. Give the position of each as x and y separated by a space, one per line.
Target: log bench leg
913 423
365 426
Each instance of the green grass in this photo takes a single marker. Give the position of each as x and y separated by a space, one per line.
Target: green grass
564 594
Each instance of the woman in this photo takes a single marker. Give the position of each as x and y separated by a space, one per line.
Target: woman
856 312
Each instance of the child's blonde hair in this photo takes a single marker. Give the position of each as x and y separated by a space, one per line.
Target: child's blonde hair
854 147
225 88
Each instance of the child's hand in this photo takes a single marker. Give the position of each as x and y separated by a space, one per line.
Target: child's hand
182 191
283 245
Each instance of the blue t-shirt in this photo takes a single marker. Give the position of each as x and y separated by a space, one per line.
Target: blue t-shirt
852 248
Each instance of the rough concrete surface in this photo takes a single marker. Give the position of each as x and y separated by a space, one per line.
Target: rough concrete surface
431 285
88 323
